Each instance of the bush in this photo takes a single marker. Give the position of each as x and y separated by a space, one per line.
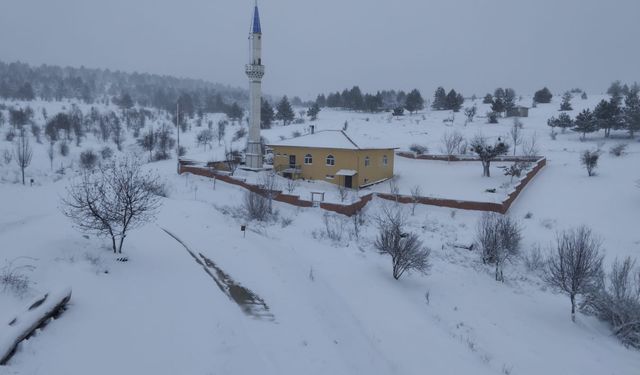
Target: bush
88 159
63 148
618 150
492 117
534 260
589 160
11 134
406 250
255 206
14 278
418 149
106 153
333 227
616 301
543 96
499 238
239 134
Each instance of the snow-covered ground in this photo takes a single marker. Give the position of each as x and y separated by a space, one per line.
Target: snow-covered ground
335 305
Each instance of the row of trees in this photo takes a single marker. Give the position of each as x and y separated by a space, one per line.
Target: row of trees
24 82
354 99
452 101
617 113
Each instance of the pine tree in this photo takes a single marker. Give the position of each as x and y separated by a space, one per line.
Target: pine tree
321 100
543 96
497 106
266 114
454 101
632 111
439 99
235 113
563 122
607 115
566 102
585 123
509 99
285 111
414 101
313 111
488 99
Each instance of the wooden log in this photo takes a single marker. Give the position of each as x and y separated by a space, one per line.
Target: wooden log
34 317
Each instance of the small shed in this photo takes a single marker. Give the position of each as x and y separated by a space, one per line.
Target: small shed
518 111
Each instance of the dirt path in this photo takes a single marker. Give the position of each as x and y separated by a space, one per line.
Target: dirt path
249 302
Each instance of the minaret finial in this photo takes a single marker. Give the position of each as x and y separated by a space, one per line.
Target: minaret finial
256 29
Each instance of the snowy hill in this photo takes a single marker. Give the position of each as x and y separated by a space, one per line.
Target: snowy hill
335 306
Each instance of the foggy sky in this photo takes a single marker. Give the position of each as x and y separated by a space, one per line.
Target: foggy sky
327 45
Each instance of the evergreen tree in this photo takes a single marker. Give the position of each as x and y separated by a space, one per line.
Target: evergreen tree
499 93
235 113
631 111
25 92
124 101
543 96
585 123
454 101
616 91
334 100
566 102
509 99
488 99
414 101
266 114
607 115
563 122
321 101
285 111
313 111
498 105
439 99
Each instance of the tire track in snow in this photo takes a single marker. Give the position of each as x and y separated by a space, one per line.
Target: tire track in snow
250 303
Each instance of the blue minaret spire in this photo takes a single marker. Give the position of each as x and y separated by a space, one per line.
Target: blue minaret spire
256 20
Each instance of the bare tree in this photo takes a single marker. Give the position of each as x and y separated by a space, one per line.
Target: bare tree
204 138
220 132
291 185
406 250
117 131
516 134
451 142
394 189
416 193
487 152
232 159
617 301
343 192
499 237
530 146
113 201
256 206
24 152
51 152
269 187
589 160
576 265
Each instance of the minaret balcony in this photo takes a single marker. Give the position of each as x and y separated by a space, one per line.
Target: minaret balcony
254 71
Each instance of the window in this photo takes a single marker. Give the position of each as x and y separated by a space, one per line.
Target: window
385 160
308 159
367 161
331 160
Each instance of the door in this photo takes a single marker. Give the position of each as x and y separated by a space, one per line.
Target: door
348 181
292 161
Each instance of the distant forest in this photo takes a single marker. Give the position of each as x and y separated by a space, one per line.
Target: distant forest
48 82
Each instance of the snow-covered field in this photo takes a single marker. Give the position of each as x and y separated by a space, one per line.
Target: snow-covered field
336 308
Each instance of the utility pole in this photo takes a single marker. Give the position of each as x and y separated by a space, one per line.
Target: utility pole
178 126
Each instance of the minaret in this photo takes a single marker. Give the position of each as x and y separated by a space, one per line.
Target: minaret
255 72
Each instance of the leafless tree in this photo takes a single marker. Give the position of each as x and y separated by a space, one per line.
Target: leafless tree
530 146
232 159
394 189
113 201
24 152
343 192
117 131
269 187
291 185
451 142
499 238
576 264
616 300
204 138
256 206
516 134
220 132
406 250
416 193
51 152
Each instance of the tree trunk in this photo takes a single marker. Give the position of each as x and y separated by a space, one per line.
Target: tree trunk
573 308
113 243
22 169
485 168
121 242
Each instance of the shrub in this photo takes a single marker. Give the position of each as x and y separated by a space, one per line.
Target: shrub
11 134
88 159
63 148
618 150
239 134
106 153
333 227
492 117
255 206
499 238
589 160
14 278
418 149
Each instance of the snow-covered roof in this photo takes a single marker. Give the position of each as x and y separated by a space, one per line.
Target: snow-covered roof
346 172
329 139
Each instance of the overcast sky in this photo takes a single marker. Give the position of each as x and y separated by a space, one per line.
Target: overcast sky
327 45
